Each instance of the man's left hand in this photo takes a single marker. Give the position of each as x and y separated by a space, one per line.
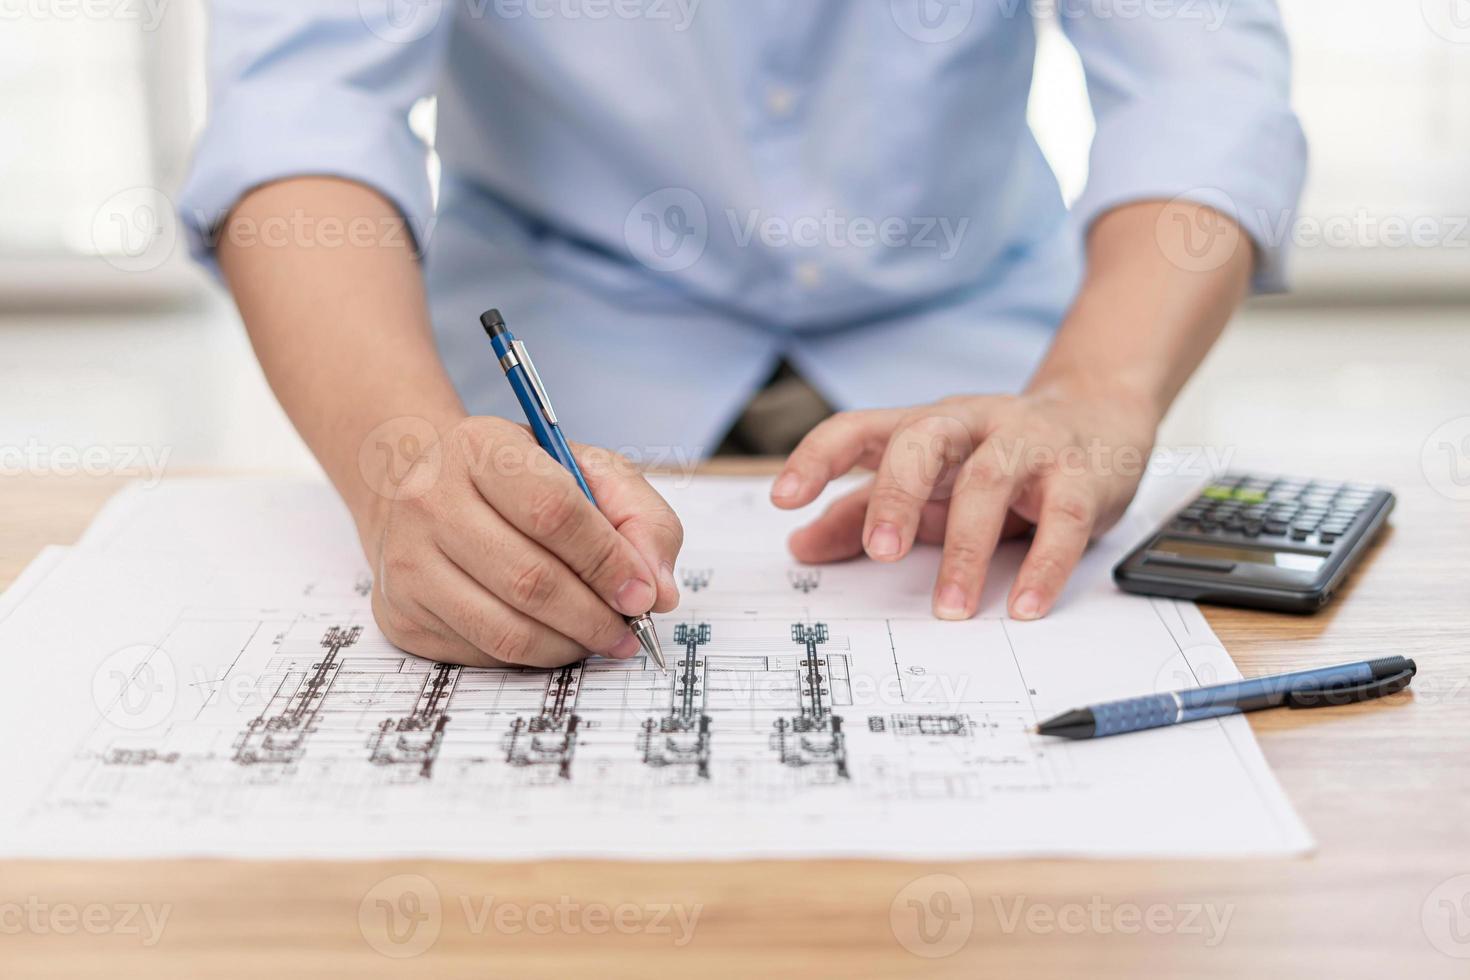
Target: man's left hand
968 471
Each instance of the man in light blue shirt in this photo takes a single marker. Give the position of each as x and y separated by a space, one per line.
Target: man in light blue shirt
673 198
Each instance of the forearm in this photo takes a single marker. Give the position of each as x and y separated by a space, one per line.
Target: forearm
1148 310
326 279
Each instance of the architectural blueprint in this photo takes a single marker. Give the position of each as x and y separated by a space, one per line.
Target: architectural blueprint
194 678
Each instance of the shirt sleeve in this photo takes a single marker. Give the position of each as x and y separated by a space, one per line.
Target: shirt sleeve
321 88
1192 100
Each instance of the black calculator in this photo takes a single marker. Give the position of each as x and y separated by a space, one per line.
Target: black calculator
1263 541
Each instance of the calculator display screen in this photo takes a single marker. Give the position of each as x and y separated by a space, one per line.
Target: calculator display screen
1297 561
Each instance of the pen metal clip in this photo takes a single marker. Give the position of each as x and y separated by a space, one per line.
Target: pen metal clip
519 349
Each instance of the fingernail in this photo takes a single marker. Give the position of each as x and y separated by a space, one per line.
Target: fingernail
883 542
788 486
635 597
666 576
1028 606
951 603
627 648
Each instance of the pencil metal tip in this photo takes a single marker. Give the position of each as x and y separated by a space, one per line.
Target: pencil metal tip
648 639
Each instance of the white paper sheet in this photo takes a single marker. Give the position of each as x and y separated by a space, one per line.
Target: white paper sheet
201 676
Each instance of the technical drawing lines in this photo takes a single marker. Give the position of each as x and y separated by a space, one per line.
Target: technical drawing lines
681 738
805 580
413 741
279 738
814 737
549 740
695 579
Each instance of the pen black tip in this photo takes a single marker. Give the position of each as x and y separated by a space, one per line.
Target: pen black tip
1077 723
493 322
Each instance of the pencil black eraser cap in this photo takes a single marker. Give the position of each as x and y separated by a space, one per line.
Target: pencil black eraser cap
493 322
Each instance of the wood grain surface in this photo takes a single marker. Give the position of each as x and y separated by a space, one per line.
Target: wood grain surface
1384 787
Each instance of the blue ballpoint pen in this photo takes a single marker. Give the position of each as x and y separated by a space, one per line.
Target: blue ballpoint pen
1343 684
531 393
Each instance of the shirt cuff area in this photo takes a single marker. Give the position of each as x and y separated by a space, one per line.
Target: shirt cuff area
1248 162
262 133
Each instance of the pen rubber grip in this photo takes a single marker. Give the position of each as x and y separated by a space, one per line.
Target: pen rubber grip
1134 714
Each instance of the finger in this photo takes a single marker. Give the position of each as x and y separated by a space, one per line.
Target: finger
830 450
932 520
543 502
838 534
500 633
532 580
916 467
1063 529
936 514
977 514
639 513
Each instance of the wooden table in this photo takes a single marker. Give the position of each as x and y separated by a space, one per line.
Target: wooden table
1384 787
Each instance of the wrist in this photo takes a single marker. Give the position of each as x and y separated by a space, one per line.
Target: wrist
1136 400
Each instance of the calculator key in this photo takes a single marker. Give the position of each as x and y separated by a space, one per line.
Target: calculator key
1276 527
1252 529
1327 537
1219 492
1300 534
1250 495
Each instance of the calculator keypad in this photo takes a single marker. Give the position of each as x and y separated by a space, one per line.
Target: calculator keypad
1280 508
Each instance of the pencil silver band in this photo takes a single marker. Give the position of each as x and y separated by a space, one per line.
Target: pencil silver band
1178 707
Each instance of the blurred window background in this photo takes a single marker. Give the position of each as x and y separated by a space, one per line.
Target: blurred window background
109 336
104 96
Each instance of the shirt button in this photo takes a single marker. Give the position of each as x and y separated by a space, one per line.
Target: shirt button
780 100
809 274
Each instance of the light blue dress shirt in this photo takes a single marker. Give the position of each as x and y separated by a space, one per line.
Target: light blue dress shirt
667 196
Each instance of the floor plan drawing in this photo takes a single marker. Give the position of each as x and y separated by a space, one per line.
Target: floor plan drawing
321 704
258 711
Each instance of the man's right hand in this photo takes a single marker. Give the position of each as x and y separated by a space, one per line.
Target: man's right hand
487 552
